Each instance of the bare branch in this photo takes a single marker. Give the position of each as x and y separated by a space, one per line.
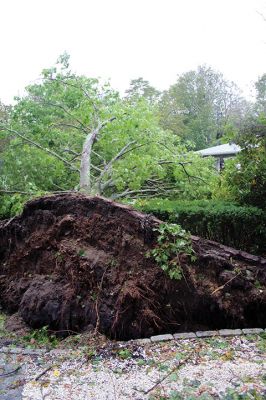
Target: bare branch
172 370
4 191
261 15
11 372
102 125
136 147
191 176
106 185
96 168
137 192
76 155
70 151
98 155
67 125
77 86
66 111
121 153
37 377
161 162
110 163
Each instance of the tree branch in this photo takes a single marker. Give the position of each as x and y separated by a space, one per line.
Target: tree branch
85 164
83 127
39 147
79 128
77 86
98 155
110 163
137 192
191 176
4 191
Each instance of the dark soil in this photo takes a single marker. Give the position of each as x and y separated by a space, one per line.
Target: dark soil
74 262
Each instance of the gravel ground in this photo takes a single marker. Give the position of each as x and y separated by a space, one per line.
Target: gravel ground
214 368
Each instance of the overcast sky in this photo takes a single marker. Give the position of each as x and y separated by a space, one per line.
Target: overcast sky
125 39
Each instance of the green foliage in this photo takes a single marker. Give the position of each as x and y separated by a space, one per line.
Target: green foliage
260 86
53 120
41 337
250 394
196 179
141 88
227 223
124 354
11 205
59 111
172 241
81 252
244 177
262 342
2 325
199 106
190 392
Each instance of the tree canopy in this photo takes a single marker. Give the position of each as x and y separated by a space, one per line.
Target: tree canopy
200 105
74 132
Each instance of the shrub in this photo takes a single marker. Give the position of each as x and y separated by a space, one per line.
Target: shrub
11 205
171 241
241 227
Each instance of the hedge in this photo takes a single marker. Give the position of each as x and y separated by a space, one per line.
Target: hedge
242 227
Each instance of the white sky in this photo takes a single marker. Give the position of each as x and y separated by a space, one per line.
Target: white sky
125 39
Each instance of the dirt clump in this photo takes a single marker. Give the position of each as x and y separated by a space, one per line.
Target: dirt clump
71 262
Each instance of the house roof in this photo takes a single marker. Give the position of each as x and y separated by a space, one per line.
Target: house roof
227 149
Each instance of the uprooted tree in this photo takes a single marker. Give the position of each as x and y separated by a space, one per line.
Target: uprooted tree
75 262
71 131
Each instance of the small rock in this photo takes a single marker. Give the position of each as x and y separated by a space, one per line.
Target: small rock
15 351
230 332
203 334
58 352
185 335
142 341
33 351
252 331
161 338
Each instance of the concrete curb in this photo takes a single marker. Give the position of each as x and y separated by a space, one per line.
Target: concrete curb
153 339
201 334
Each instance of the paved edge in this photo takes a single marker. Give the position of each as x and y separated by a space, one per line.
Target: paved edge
153 339
199 335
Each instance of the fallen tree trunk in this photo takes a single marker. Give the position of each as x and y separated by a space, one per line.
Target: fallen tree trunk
74 262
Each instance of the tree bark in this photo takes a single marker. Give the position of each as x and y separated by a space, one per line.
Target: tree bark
85 163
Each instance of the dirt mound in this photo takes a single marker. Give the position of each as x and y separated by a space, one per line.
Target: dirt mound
74 262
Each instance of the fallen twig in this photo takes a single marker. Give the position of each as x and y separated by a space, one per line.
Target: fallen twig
43 372
11 372
174 369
